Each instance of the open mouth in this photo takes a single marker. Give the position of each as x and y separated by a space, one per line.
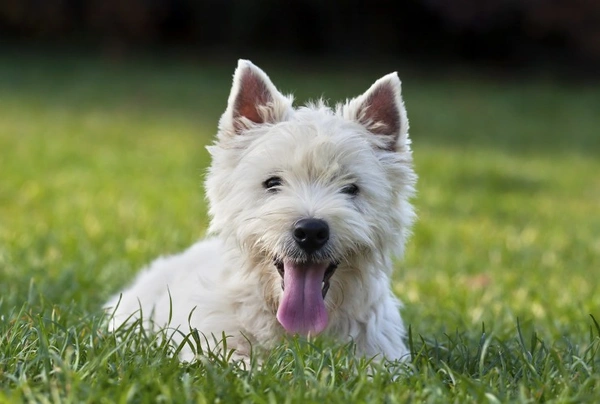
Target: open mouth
302 305
326 277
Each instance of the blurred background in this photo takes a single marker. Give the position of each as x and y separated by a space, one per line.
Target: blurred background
106 106
511 34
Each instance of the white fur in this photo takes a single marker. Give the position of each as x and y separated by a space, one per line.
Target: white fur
229 283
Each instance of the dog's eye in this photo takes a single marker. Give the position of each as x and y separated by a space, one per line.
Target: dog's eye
350 189
272 183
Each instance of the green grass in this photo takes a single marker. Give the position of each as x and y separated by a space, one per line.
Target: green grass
100 171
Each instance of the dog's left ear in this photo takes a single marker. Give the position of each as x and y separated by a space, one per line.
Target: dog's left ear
381 110
253 100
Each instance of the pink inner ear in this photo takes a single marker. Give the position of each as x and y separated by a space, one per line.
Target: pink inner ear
253 93
382 112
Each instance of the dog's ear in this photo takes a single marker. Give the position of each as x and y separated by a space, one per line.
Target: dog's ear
253 100
381 110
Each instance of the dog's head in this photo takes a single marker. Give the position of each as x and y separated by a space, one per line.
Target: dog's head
314 198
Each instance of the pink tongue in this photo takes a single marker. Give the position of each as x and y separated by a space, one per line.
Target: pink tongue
302 309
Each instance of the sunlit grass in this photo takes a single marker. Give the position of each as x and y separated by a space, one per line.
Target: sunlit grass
101 168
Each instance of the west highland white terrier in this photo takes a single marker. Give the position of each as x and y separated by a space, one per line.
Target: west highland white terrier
308 205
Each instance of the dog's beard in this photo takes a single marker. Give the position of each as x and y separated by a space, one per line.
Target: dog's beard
305 284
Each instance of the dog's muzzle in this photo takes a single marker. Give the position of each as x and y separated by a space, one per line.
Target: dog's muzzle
305 269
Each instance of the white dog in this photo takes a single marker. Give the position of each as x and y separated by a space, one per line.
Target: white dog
307 207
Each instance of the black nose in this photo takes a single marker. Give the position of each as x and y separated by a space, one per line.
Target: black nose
311 234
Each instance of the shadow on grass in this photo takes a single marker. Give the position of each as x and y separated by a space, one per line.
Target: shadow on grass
499 182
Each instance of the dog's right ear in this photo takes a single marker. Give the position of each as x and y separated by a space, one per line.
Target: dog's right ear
253 100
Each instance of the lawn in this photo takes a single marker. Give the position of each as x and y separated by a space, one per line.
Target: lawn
101 166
